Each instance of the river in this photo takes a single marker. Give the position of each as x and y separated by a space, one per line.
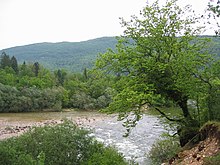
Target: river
104 127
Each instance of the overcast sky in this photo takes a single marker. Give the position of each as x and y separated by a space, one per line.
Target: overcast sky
31 21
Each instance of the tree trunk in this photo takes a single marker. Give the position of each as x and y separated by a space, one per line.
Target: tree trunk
181 100
189 126
183 105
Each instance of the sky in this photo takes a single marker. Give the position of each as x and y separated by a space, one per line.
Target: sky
25 22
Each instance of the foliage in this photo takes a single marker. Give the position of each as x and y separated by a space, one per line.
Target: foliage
82 101
5 60
72 56
60 75
161 57
30 99
36 88
61 144
108 157
36 68
91 92
163 150
7 77
14 64
25 70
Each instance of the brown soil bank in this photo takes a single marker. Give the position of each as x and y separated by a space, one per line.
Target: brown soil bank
203 149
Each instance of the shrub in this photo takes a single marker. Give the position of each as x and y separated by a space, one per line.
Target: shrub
31 99
82 100
61 144
106 157
163 150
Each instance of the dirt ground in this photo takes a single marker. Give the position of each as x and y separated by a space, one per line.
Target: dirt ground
196 155
209 145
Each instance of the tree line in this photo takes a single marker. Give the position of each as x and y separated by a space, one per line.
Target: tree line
31 87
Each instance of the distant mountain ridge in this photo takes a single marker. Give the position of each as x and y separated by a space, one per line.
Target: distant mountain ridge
73 56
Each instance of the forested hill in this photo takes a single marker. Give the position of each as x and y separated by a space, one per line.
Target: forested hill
74 56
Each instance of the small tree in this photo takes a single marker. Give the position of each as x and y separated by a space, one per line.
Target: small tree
14 64
36 68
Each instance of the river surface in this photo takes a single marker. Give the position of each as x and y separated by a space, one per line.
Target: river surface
105 128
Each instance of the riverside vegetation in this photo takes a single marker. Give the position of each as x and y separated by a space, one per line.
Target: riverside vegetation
60 144
31 87
160 61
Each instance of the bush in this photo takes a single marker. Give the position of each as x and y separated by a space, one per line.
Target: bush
108 156
61 144
163 150
31 99
82 100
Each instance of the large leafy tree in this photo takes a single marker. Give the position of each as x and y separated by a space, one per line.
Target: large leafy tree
159 57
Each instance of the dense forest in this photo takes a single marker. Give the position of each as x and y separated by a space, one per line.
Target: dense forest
31 87
73 56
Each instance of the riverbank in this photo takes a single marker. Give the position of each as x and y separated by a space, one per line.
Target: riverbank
14 124
106 128
203 149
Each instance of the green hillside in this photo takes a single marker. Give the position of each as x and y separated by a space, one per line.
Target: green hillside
74 56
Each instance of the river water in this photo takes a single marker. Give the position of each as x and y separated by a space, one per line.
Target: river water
105 128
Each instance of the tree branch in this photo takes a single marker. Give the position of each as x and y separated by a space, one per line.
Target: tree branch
170 119
202 79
